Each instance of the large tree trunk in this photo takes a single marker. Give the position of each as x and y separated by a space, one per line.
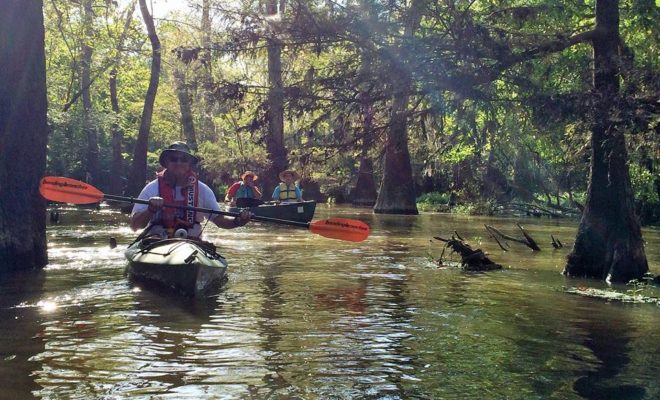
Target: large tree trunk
91 133
117 167
397 189
609 240
138 175
365 194
208 128
23 135
185 106
275 136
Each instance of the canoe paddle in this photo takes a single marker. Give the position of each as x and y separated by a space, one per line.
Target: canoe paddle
67 190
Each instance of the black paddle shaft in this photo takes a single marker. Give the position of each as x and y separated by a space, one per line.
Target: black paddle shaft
209 211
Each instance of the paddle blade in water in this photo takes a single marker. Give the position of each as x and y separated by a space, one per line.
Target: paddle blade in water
67 190
341 228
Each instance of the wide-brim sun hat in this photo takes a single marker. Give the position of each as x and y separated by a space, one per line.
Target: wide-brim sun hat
289 171
246 173
177 147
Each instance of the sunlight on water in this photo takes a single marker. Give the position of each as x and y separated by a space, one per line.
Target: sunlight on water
302 316
47 306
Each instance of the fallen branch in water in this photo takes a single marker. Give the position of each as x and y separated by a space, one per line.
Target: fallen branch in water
496 239
527 241
556 243
532 242
538 210
471 260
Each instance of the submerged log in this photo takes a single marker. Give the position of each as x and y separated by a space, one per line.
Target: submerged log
471 259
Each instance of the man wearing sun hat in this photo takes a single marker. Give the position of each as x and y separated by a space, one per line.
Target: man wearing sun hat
177 184
244 193
287 191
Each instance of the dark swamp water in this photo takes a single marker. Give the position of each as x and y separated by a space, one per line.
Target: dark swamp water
305 317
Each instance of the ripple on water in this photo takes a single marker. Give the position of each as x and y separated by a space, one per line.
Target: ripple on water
303 316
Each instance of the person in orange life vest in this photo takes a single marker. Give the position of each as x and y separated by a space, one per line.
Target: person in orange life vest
244 193
178 184
287 191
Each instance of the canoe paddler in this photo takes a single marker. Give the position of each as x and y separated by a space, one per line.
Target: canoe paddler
178 184
288 191
244 193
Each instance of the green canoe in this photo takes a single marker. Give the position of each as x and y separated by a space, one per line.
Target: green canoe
299 211
191 267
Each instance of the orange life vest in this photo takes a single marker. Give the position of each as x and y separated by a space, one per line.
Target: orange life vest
174 218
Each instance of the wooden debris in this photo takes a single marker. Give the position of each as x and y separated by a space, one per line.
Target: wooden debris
531 242
527 241
471 260
496 239
556 243
537 210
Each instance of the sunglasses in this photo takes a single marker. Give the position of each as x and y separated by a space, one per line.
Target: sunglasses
182 159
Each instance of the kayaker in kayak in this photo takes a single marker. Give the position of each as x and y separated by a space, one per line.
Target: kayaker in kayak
288 191
178 184
244 193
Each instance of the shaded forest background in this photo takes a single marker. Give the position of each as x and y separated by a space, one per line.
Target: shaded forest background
483 106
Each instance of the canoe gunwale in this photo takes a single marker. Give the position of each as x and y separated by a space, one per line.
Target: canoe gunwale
290 211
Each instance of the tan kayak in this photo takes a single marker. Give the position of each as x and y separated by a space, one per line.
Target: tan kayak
190 267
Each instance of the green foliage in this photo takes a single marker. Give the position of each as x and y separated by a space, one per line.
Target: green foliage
458 153
644 184
218 161
471 109
434 201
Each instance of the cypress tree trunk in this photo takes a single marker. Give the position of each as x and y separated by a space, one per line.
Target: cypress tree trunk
185 106
208 128
92 152
117 171
397 190
365 193
23 135
138 175
609 240
275 136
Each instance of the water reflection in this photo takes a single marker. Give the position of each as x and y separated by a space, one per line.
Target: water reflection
271 311
302 316
388 224
352 298
20 325
609 338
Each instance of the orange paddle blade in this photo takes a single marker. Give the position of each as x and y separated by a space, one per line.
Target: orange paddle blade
341 228
67 190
